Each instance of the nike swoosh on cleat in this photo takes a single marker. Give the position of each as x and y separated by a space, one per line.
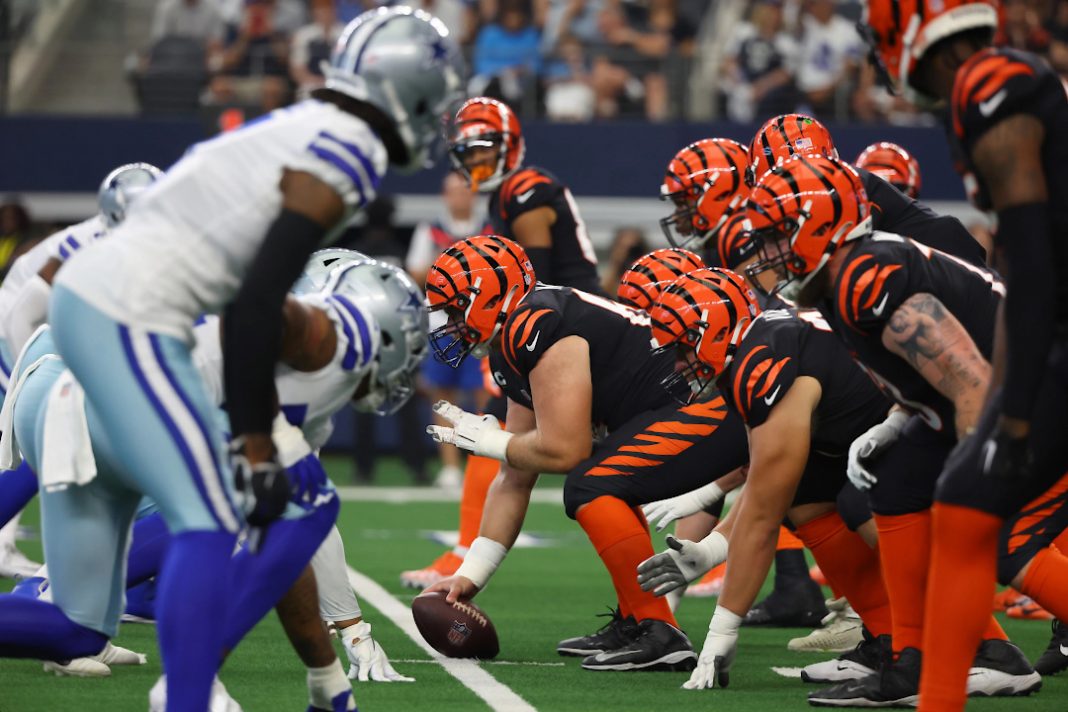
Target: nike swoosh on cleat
1064 650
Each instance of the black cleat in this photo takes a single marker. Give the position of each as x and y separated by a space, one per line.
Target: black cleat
1055 657
658 646
896 685
800 606
1000 669
862 661
617 633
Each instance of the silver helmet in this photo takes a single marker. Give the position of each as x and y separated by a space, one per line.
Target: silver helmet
320 265
396 304
121 188
403 62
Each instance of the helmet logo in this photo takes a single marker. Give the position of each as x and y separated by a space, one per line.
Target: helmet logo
803 144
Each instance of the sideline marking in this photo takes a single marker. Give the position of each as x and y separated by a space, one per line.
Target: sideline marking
404 495
496 694
791 672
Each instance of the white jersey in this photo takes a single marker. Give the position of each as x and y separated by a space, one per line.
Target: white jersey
188 240
308 400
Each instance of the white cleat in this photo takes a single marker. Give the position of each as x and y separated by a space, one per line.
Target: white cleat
114 655
842 631
220 698
79 667
15 564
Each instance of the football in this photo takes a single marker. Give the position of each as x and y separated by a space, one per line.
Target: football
456 630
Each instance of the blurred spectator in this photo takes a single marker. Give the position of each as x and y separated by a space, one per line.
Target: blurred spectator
1021 28
200 20
378 237
457 15
253 66
14 232
289 15
574 19
569 94
830 52
628 244
312 45
462 216
506 57
1058 51
758 63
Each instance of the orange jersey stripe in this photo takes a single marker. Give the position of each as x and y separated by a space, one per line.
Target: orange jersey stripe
843 291
738 380
1036 510
630 461
677 428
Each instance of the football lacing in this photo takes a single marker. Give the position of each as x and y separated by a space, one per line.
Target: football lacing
472 612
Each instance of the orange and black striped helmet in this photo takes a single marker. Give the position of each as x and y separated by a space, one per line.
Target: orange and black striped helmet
486 123
785 136
478 282
711 169
802 211
704 315
900 32
640 285
893 164
736 242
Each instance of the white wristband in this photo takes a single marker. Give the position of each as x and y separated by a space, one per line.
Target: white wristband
716 545
710 494
494 444
482 559
289 441
724 622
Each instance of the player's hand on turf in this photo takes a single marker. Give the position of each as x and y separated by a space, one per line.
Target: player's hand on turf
1006 455
368 661
683 562
867 448
717 655
480 434
665 511
454 588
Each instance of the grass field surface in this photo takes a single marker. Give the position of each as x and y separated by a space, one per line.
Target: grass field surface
539 596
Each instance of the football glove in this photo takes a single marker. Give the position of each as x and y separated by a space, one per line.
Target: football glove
867 448
683 562
367 659
717 655
1004 457
262 491
665 511
479 434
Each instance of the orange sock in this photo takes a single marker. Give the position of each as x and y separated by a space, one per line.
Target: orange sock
905 554
852 566
959 589
623 542
788 540
1046 581
478 476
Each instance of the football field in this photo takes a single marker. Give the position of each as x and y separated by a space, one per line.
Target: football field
542 593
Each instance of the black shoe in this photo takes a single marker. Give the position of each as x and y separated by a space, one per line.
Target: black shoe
862 661
658 646
896 685
1000 669
615 634
800 606
1055 657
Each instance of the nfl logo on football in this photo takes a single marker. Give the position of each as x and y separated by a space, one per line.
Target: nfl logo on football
458 633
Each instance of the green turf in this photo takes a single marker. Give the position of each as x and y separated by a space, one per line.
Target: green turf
538 597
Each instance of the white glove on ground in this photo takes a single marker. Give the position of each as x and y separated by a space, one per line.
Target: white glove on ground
367 659
717 655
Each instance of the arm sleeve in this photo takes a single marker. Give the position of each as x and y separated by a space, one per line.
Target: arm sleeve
252 327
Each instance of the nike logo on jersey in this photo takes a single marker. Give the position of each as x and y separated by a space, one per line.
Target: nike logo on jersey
534 342
774 394
878 310
524 197
988 107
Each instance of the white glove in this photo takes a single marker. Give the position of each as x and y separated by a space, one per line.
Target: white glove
869 446
683 562
367 659
480 434
717 655
665 511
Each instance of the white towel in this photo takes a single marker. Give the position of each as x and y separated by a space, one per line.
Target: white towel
67 457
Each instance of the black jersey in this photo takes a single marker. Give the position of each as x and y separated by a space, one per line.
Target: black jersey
879 275
572 262
625 371
785 343
893 211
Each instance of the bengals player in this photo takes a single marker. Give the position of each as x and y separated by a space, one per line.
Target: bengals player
803 401
527 204
1007 115
921 323
893 164
573 364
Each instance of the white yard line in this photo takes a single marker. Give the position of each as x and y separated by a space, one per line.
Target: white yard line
496 694
520 663
403 495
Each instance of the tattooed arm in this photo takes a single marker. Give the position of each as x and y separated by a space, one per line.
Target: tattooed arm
924 333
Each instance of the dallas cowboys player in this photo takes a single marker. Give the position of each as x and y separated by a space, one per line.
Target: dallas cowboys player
24 306
230 226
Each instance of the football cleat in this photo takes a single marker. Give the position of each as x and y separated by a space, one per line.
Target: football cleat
115 655
1026 609
842 631
864 660
1006 599
796 606
443 567
709 585
79 667
449 478
657 646
615 634
1055 657
1001 670
897 684
14 564
220 700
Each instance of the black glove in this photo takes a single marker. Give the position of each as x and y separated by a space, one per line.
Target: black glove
263 490
1004 457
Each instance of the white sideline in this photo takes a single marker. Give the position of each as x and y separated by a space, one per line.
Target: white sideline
403 495
496 694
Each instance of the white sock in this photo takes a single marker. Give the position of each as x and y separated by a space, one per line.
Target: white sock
326 683
337 602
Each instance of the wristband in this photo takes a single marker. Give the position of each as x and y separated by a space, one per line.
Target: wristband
716 545
710 494
482 559
288 441
494 444
724 622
